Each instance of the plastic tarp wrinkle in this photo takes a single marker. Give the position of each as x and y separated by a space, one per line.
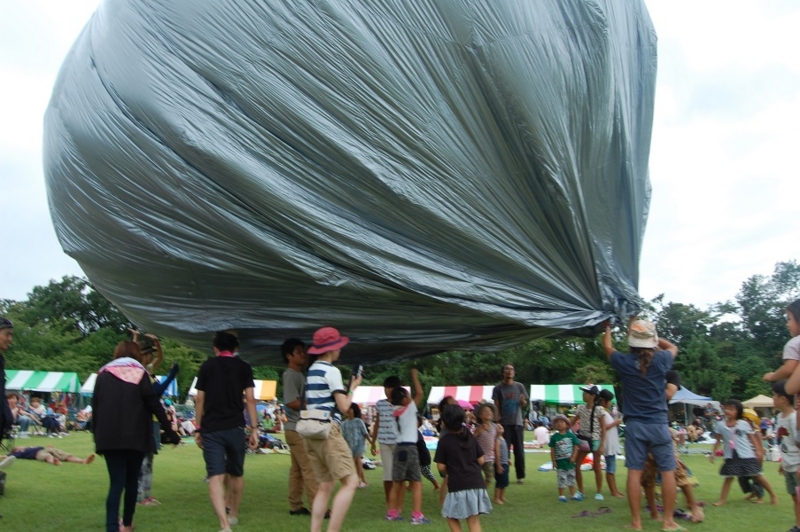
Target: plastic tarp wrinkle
424 175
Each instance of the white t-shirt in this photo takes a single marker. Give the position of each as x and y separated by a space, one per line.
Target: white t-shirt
736 437
611 445
542 435
791 351
790 454
407 424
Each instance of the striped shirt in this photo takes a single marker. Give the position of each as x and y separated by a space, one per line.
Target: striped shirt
322 380
387 425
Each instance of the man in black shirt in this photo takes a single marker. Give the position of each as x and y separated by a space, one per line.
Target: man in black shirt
221 382
6 335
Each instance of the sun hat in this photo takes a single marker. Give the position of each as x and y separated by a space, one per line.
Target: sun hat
327 339
5 323
590 389
642 334
562 417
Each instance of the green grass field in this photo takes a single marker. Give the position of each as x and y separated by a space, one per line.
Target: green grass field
72 497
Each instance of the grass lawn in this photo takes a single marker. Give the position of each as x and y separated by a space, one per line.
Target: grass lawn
72 497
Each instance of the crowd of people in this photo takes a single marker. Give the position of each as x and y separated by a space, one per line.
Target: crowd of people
327 436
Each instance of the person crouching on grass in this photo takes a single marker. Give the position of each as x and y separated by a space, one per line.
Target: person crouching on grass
564 452
405 466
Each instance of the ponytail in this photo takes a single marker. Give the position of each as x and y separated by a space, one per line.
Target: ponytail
645 355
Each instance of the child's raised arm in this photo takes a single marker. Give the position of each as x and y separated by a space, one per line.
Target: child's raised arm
417 392
608 344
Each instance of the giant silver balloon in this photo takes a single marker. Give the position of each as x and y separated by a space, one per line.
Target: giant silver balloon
425 175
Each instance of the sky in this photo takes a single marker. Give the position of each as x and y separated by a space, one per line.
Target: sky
726 187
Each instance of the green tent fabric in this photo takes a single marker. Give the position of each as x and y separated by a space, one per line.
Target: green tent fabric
567 394
42 381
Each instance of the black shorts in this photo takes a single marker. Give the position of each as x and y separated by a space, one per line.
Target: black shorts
224 451
405 464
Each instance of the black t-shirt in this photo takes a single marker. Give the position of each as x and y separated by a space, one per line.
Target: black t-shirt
463 469
224 380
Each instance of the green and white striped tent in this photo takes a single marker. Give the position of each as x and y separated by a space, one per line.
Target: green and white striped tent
42 381
563 394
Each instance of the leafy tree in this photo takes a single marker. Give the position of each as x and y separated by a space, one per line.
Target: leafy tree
72 304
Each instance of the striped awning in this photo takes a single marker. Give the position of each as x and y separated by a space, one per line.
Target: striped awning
472 394
171 391
42 381
369 395
565 394
263 390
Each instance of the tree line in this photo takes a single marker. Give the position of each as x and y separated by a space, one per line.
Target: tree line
725 348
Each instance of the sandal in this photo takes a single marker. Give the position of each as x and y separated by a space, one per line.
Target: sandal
680 513
603 510
585 513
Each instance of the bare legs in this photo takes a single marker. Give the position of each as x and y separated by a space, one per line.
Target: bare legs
341 503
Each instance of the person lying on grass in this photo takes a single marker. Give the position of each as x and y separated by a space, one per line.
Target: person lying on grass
49 454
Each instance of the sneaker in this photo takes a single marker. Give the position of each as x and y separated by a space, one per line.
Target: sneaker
562 498
301 511
578 496
421 520
599 497
7 462
233 521
394 518
150 501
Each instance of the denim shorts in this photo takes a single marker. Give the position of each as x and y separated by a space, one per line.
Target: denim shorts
224 451
611 464
641 438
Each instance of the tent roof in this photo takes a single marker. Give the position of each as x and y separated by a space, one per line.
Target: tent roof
369 395
472 394
684 395
88 386
263 390
759 401
567 394
42 381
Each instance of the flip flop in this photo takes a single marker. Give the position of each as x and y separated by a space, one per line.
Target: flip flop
585 513
680 513
602 510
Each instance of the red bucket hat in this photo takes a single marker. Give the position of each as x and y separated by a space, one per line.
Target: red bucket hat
327 339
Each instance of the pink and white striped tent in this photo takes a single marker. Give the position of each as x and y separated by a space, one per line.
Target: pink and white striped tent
472 394
369 395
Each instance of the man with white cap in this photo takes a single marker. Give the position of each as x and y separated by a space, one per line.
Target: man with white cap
643 373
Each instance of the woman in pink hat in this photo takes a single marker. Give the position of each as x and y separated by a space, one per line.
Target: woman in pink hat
331 458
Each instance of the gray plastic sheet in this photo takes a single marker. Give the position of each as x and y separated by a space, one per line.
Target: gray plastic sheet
424 175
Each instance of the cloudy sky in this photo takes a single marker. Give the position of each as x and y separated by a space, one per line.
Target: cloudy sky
726 185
